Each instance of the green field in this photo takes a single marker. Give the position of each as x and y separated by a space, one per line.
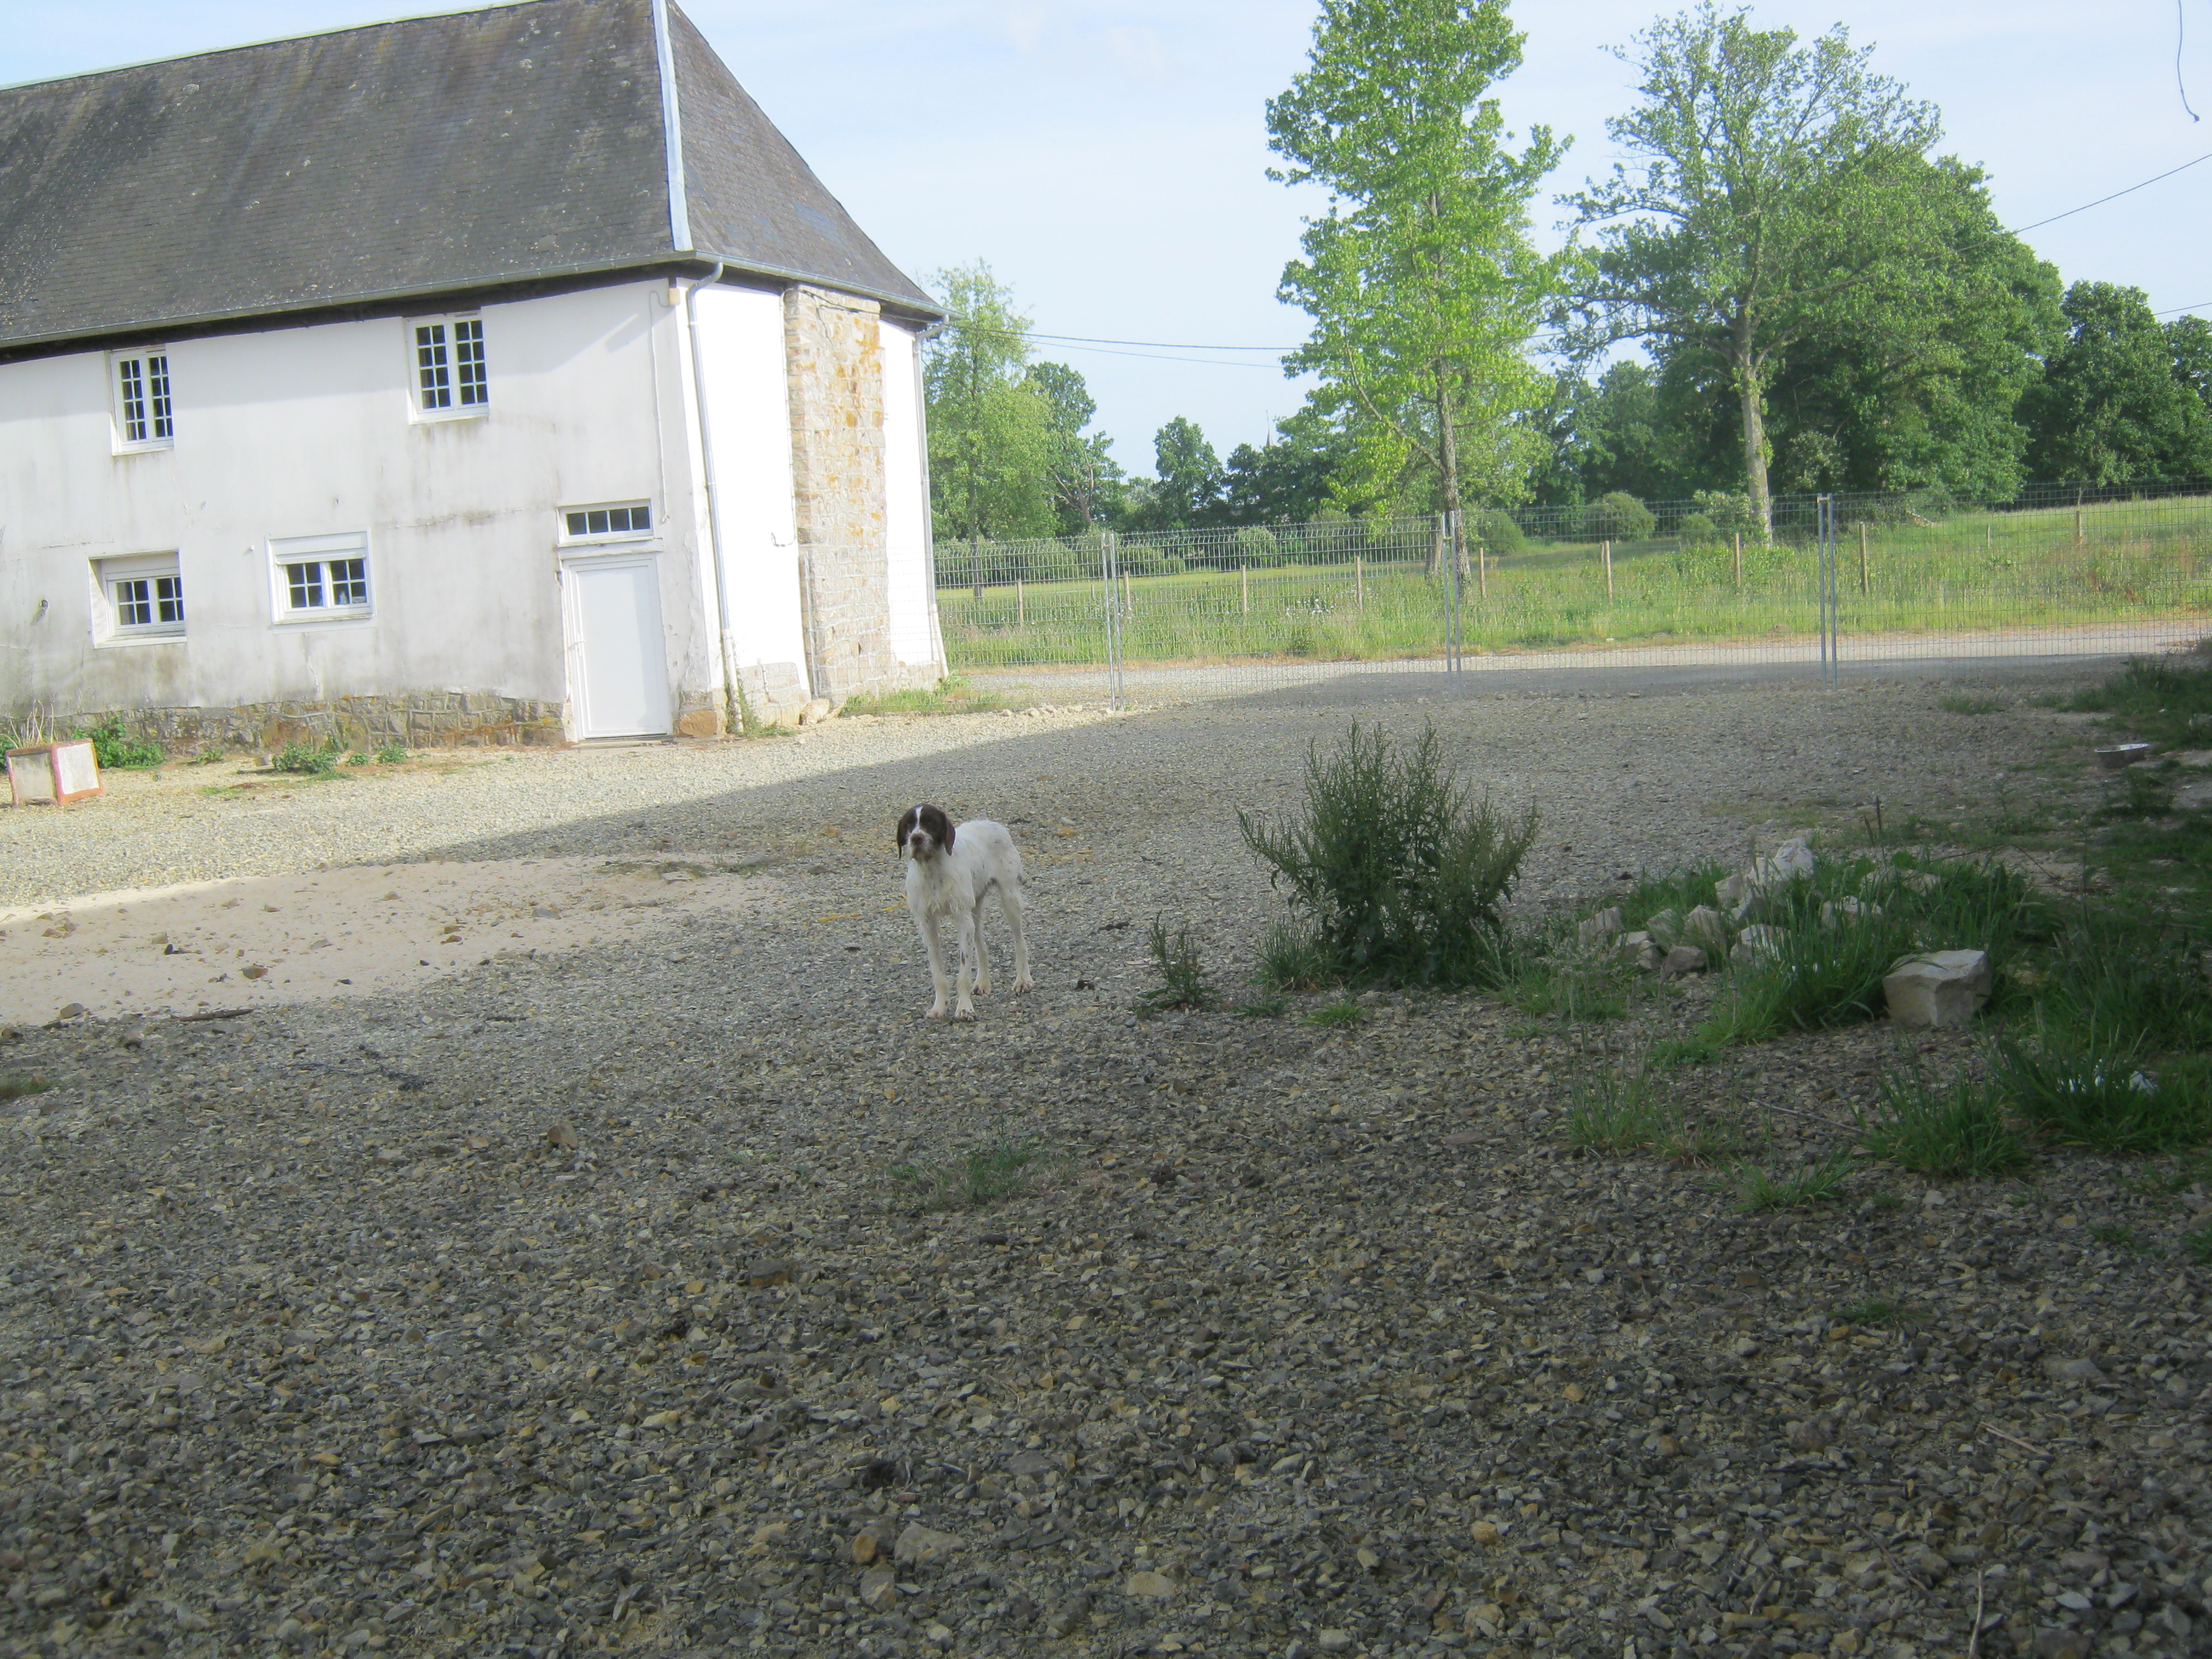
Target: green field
2118 562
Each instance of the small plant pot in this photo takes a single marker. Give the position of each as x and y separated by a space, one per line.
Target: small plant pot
2115 757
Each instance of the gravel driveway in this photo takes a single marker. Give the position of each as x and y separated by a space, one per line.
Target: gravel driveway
577 1304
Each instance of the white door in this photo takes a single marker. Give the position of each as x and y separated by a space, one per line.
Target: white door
619 659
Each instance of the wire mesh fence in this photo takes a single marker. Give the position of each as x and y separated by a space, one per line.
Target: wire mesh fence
1841 578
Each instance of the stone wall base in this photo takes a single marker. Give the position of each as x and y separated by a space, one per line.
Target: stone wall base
426 719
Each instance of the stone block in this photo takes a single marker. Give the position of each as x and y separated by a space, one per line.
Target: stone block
1681 960
1941 991
1707 926
1595 933
1761 942
699 723
1665 928
1637 950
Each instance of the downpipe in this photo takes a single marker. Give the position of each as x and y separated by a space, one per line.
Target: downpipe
733 702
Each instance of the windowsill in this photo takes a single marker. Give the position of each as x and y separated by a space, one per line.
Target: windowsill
159 447
319 618
141 636
445 416
648 541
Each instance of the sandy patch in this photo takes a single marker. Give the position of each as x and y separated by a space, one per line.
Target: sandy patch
357 932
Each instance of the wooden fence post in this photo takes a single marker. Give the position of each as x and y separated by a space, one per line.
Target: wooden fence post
1605 552
1739 558
1021 605
1863 557
1359 580
1244 587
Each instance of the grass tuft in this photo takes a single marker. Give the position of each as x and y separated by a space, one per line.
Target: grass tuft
1292 959
980 1176
20 1087
1758 1189
953 695
1176 959
1337 1015
2096 1095
1956 1131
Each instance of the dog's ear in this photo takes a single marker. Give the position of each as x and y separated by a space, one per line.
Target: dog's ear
949 831
907 820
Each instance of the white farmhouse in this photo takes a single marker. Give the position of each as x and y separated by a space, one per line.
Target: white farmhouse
498 376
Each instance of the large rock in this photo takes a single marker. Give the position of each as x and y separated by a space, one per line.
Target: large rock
1709 928
1761 942
1637 950
1791 861
1846 909
1941 991
919 1546
1733 894
1596 931
1682 959
1665 928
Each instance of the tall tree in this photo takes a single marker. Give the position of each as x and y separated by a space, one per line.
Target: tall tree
1293 476
1422 283
1085 478
990 433
1767 190
2115 406
1189 489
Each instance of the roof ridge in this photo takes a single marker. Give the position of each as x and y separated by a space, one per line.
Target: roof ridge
272 40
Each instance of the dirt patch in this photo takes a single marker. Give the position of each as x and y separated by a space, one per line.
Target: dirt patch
350 932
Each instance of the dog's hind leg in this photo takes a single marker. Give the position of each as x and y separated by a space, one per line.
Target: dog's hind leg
1010 900
983 950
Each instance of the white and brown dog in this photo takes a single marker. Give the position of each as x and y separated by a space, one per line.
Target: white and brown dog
951 869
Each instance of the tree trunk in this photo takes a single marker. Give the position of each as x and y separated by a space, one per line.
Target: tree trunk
1447 452
1754 429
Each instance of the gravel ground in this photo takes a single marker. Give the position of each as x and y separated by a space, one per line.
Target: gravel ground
575 1305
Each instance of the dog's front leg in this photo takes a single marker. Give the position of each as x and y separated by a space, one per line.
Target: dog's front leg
935 947
963 1007
982 951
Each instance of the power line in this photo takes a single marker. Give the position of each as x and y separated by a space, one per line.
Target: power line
2021 230
2177 310
1166 345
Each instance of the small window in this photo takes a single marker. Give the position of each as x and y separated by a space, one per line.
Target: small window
144 418
139 598
320 578
450 373
595 523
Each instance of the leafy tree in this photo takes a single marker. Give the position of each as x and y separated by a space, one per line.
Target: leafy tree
1422 284
1768 190
990 430
1923 391
2115 406
2189 341
1190 476
1293 478
1617 517
1086 481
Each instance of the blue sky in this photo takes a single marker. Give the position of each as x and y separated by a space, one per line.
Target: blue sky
1109 160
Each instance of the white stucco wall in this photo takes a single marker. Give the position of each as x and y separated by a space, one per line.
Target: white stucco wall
743 387
906 503
309 431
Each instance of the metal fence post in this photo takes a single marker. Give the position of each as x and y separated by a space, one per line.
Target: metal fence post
1829 642
1451 642
1109 586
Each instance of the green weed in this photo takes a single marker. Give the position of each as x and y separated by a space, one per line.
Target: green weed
309 760
2119 1237
1337 1015
1398 873
2098 1096
391 754
1176 959
1616 1112
2157 699
116 751
2198 1244
20 1087
953 695
1268 1007
1758 1189
1292 959
978 1177
1956 1131
1702 1144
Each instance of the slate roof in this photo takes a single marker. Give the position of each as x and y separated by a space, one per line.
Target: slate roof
435 155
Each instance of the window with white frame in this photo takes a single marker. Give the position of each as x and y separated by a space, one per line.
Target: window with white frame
139 598
320 578
144 418
621 521
450 373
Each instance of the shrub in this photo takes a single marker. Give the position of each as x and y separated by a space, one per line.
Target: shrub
1398 873
391 754
312 760
1958 1131
2097 1095
1256 546
1617 517
116 750
1694 527
1496 530
1175 959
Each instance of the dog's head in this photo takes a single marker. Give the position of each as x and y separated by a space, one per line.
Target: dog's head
924 832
